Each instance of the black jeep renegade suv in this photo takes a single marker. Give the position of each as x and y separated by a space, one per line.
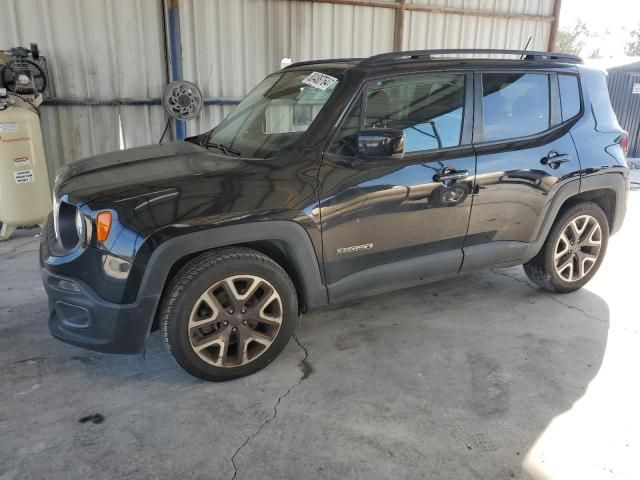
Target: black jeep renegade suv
334 179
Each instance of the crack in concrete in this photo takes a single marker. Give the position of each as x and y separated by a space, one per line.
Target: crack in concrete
588 315
27 360
15 252
514 278
305 366
306 369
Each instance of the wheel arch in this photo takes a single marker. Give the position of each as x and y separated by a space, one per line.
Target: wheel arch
605 198
608 190
286 242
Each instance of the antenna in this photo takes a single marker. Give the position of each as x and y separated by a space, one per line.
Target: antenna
526 46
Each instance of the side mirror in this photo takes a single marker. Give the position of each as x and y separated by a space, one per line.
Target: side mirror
381 143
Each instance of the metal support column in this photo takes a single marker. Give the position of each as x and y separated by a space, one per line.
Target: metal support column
553 33
174 52
398 32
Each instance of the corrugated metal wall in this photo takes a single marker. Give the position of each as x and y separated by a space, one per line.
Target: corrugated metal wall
228 47
99 49
116 48
442 30
626 104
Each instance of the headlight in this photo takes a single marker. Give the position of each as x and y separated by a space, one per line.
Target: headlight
74 227
80 226
82 229
56 219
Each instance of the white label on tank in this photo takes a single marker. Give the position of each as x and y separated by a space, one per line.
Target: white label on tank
319 80
21 162
635 88
8 127
23 176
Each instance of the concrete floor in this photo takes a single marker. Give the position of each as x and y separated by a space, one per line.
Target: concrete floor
482 376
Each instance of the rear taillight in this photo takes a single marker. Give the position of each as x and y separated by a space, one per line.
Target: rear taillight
624 143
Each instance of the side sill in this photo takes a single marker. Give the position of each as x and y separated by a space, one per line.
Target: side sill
503 253
394 276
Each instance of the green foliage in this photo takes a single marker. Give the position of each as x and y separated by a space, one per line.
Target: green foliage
572 40
632 47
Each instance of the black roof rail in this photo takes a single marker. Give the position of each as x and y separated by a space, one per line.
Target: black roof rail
326 60
427 55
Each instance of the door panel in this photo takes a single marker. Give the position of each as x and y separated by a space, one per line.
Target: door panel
513 188
388 223
516 177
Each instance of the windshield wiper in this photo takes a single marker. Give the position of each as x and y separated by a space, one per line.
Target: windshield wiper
227 150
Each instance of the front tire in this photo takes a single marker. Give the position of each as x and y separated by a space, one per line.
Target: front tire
573 250
228 314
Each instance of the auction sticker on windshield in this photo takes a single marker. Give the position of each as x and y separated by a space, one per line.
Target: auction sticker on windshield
319 80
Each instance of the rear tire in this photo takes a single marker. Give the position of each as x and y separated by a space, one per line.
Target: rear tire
573 250
228 313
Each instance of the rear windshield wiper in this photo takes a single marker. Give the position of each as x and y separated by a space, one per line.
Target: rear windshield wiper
227 150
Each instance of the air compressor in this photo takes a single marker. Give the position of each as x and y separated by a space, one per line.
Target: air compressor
25 192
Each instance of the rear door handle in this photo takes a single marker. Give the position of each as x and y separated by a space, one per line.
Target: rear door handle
554 159
450 175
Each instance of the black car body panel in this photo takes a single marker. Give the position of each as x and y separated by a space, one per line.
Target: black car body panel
341 226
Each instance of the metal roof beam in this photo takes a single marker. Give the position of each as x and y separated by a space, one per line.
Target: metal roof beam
443 10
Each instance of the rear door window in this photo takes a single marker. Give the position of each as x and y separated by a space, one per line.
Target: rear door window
569 96
514 105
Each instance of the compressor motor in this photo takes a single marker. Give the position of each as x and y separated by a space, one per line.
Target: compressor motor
23 71
25 193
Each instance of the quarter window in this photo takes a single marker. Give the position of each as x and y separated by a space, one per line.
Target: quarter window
569 96
514 105
346 142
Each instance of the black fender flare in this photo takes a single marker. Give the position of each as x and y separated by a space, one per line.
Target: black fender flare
615 181
618 182
298 245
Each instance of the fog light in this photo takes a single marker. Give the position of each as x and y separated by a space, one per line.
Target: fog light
69 286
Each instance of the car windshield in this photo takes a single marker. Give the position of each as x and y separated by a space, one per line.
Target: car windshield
274 115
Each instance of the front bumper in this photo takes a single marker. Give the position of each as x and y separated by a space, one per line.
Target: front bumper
84 319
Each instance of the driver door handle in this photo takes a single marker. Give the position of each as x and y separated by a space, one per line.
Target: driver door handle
554 159
447 175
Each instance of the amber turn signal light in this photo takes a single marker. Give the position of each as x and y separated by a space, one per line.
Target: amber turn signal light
103 225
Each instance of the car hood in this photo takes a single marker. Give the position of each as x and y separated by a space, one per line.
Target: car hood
170 189
123 173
